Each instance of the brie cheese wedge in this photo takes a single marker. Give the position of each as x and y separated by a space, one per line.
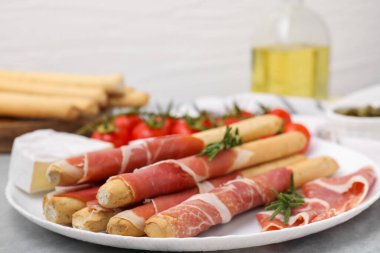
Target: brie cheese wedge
33 152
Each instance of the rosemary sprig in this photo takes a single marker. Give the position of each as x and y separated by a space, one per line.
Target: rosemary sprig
285 202
229 140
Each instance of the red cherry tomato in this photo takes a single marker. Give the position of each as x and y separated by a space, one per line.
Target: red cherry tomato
124 125
245 114
127 121
160 122
143 130
290 127
281 113
219 122
112 137
227 121
182 127
168 124
206 123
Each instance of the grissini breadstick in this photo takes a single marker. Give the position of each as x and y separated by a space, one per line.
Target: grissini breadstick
130 98
175 175
95 166
110 83
220 205
87 107
283 162
59 207
93 217
42 107
249 129
92 93
37 103
131 222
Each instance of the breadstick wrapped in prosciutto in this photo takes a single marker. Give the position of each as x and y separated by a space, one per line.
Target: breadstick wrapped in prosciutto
175 175
132 222
59 207
220 205
98 165
95 166
324 198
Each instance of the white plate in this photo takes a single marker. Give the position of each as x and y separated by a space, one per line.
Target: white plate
241 232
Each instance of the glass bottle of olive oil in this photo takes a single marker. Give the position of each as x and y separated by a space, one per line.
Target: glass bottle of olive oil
292 55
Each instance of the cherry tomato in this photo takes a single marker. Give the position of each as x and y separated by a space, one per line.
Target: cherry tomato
290 127
181 126
236 111
230 120
127 121
245 114
219 122
226 121
112 137
168 124
124 125
143 130
206 123
281 113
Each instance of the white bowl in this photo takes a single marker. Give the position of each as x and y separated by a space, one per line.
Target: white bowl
368 127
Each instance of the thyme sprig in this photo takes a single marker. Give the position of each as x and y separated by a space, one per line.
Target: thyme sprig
285 201
230 139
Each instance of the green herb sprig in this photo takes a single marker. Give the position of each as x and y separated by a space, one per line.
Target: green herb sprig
285 202
229 140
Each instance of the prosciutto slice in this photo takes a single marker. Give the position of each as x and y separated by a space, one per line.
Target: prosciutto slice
138 215
202 211
176 175
324 198
100 165
84 195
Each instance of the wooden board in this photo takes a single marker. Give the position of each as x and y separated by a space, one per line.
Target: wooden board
11 128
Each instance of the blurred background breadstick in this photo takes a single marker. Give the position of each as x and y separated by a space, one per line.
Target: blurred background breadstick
87 107
130 97
35 88
26 106
112 83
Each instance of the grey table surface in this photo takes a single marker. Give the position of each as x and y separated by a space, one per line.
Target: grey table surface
17 234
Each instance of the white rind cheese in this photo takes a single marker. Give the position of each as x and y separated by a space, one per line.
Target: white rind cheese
33 152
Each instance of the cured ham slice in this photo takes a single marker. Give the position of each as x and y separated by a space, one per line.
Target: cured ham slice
84 195
202 211
324 198
175 175
96 166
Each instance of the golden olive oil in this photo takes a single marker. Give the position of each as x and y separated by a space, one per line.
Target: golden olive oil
298 70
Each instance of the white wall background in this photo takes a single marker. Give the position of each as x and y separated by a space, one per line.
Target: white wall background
176 48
